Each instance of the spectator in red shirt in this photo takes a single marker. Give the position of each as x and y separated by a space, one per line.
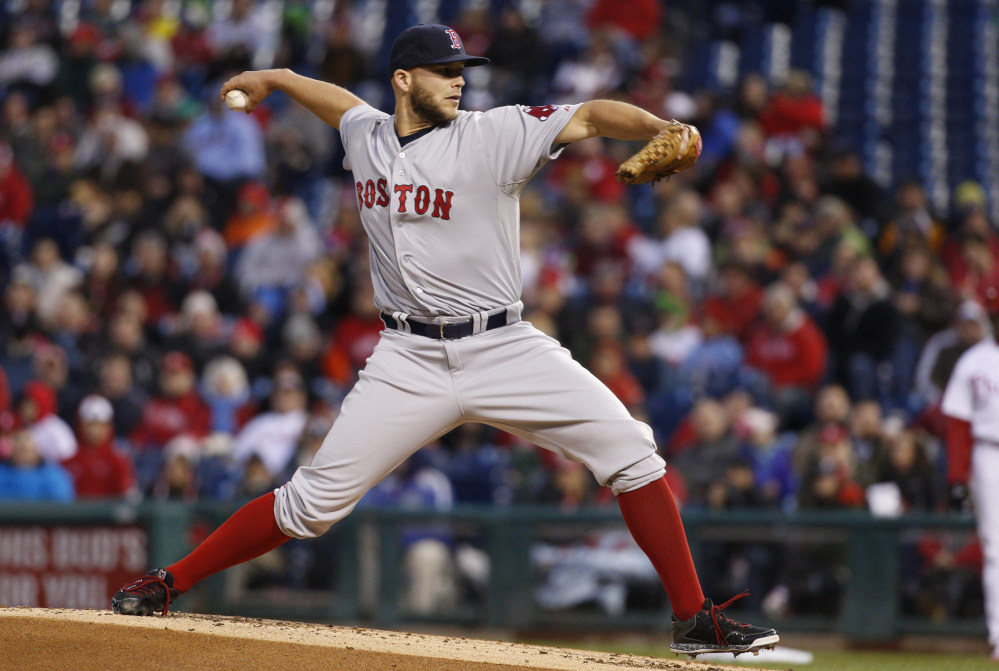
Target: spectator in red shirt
16 196
736 302
638 18
354 337
605 233
790 350
829 479
587 173
177 410
4 392
977 278
608 363
99 470
16 203
974 225
795 111
190 45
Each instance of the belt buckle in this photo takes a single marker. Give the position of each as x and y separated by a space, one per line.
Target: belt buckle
442 325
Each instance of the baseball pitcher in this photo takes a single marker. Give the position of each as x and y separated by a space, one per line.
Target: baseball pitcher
438 192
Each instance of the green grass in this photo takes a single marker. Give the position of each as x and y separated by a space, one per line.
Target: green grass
827 660
889 661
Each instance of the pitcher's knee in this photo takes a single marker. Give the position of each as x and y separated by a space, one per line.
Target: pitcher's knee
304 511
638 474
623 455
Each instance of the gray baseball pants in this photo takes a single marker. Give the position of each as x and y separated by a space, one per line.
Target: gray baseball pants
415 389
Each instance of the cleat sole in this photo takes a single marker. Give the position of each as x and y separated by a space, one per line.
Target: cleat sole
128 605
693 649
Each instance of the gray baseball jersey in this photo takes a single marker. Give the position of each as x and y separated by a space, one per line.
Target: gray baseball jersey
442 213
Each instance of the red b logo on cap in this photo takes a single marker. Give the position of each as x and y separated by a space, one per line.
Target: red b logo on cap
455 40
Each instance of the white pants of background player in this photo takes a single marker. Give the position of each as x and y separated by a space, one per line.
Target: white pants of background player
985 489
414 389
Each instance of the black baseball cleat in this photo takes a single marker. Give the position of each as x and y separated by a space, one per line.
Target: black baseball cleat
710 630
150 594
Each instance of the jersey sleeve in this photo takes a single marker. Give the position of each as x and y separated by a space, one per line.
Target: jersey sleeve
354 122
520 140
958 398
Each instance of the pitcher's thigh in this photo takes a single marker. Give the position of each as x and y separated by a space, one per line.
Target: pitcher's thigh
530 385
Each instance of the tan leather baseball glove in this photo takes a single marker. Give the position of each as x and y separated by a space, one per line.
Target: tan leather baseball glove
675 148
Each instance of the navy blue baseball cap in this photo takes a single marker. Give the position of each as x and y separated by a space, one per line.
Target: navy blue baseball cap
429 44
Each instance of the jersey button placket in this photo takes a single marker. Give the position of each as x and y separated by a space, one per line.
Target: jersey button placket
393 203
404 259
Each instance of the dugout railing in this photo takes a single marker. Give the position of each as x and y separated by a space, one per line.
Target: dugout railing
870 559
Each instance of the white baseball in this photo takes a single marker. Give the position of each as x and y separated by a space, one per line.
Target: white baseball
236 99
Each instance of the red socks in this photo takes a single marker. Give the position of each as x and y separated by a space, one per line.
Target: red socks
250 532
650 513
654 521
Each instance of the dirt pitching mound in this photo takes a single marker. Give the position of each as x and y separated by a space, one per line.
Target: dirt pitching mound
91 640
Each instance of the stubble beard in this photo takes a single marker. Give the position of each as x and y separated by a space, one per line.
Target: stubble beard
428 109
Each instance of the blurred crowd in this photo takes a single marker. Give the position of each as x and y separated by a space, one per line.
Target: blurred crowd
186 298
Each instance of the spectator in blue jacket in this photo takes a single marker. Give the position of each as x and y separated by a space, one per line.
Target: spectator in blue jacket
26 476
226 146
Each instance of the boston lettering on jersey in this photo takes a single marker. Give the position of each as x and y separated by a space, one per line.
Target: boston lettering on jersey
408 198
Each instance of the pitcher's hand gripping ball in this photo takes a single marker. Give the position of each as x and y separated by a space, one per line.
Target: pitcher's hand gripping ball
236 99
675 148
